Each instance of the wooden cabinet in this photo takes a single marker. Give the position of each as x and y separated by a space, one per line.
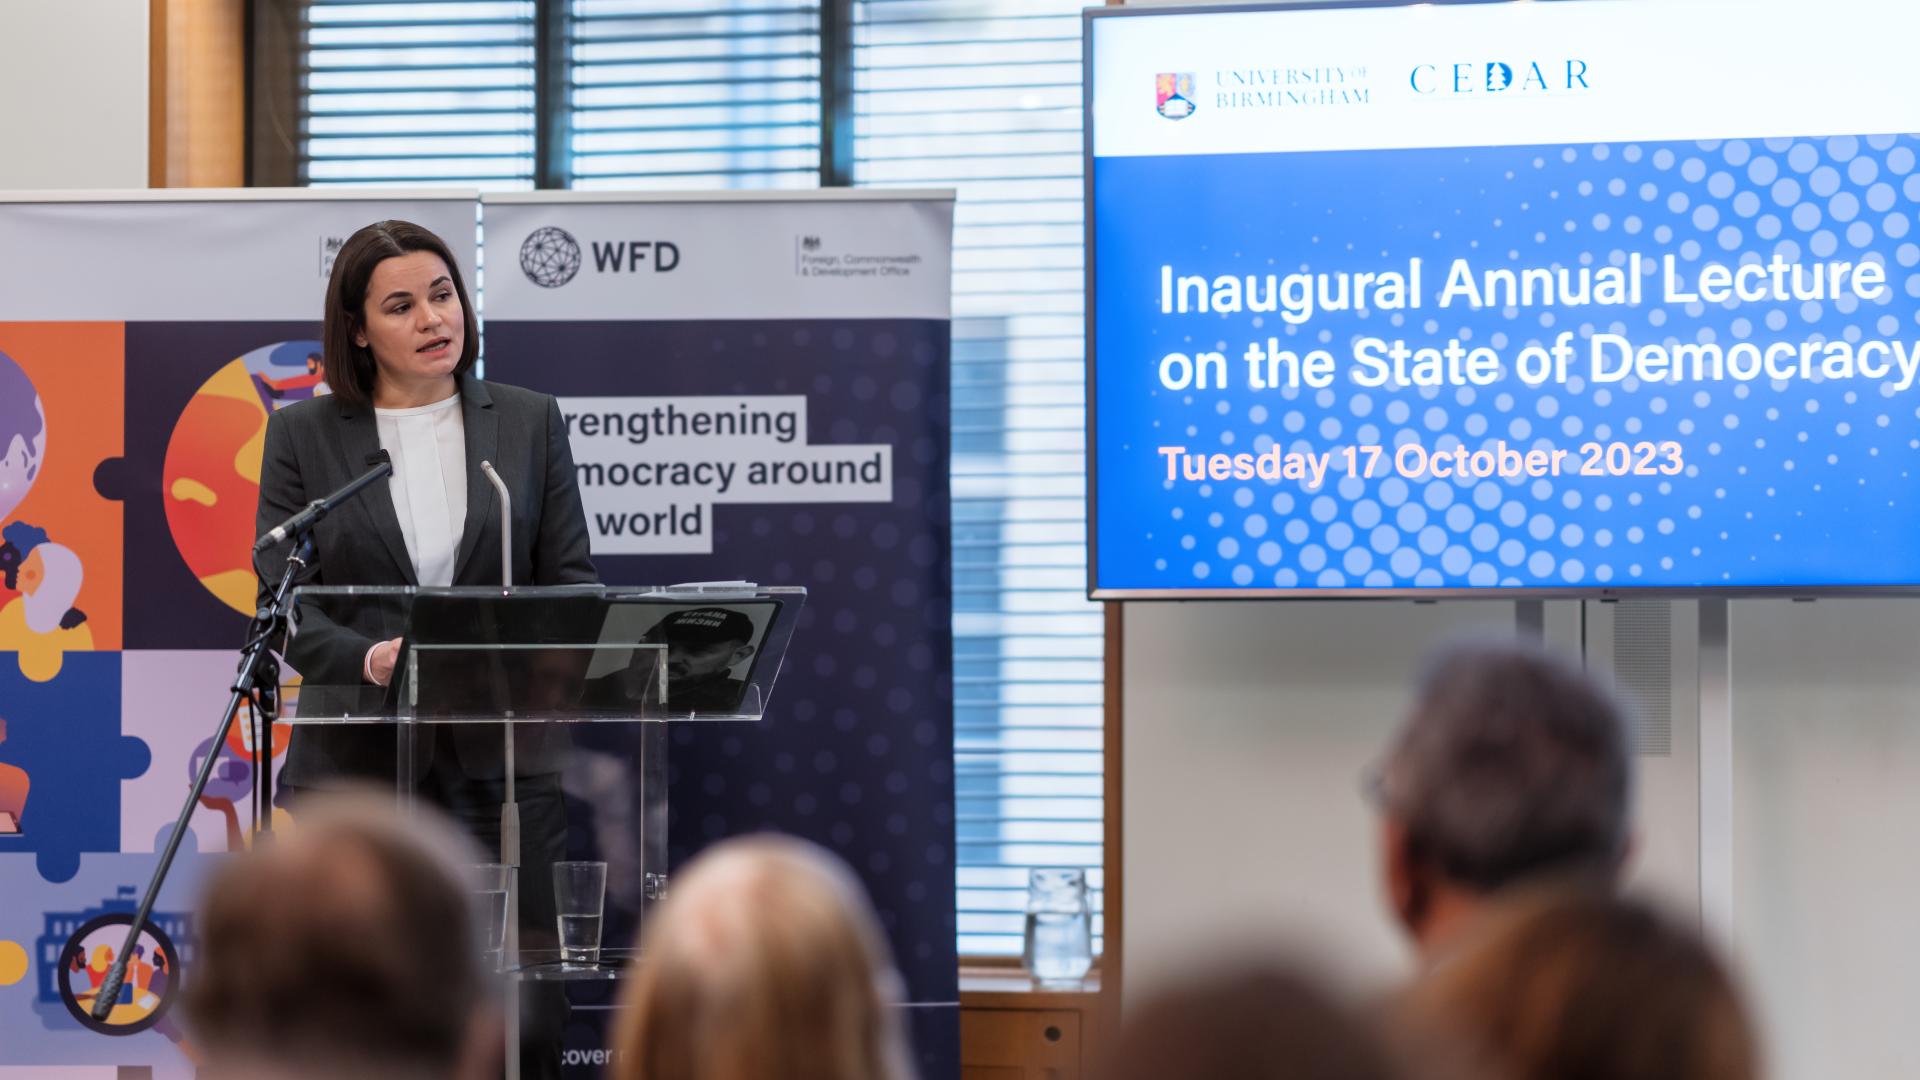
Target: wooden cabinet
1011 1031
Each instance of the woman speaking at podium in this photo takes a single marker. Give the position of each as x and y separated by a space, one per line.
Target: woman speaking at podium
398 348
398 351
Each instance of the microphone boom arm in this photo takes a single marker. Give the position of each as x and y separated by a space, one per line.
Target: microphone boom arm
258 665
319 508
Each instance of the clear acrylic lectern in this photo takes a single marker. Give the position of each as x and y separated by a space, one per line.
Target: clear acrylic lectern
537 718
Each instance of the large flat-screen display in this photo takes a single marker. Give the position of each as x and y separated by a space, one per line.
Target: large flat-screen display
1536 298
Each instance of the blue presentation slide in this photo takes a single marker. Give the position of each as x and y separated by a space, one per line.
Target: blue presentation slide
1568 298
1655 364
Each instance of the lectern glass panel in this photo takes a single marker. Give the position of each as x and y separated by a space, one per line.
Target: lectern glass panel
536 718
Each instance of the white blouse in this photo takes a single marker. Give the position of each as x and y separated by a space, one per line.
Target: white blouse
428 445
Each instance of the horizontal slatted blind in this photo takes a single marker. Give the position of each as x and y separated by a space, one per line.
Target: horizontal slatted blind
694 94
424 92
984 96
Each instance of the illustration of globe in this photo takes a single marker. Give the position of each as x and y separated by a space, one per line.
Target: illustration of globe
210 481
23 435
550 257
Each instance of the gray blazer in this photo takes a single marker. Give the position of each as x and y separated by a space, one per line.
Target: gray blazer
315 447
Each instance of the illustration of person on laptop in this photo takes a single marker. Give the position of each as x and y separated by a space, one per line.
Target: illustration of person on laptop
291 388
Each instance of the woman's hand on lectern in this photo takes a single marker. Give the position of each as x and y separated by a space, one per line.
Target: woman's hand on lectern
380 661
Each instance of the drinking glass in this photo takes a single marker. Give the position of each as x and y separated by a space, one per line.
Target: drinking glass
1059 935
579 894
491 884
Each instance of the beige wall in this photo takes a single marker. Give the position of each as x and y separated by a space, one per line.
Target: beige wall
1827 831
1246 727
73 94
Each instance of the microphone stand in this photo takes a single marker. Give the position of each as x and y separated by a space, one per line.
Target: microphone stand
510 805
510 809
258 668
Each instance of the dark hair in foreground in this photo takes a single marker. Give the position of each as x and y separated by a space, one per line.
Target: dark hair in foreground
351 368
1576 985
349 941
1252 1024
1513 763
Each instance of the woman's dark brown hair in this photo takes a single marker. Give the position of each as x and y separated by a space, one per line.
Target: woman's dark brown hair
350 368
1576 985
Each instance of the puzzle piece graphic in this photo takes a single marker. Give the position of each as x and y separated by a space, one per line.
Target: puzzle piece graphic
64 735
35 1027
198 397
171 702
65 597
211 476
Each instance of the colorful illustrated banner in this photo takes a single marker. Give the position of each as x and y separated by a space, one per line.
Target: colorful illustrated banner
135 387
757 389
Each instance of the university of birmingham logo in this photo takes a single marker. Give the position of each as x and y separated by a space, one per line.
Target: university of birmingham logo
1173 93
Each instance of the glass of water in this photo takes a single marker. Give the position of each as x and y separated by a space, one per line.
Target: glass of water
1059 943
492 883
579 894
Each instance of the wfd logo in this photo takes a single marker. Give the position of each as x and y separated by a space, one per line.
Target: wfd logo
551 257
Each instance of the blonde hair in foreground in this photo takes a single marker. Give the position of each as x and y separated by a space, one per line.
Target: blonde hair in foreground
765 962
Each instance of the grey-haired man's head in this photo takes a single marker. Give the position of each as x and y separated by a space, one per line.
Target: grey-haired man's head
1512 766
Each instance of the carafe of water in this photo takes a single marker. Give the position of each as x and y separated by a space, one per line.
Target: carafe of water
1059 938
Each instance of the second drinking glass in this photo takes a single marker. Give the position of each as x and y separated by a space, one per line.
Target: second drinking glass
579 894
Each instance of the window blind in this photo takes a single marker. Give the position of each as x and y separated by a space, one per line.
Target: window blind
984 96
693 94
424 92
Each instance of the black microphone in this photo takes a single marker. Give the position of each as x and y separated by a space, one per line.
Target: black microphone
310 516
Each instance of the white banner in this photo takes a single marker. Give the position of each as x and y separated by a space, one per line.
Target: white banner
820 255
627 307
167 256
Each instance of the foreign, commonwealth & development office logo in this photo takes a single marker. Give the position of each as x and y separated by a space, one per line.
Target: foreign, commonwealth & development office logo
550 257
1173 94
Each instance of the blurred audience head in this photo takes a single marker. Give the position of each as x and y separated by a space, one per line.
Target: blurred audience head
1256 1023
1570 984
1512 766
345 947
765 962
